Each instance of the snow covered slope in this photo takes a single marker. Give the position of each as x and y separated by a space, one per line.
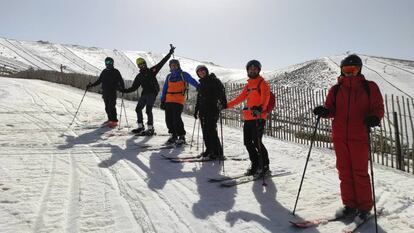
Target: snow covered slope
89 60
392 75
91 179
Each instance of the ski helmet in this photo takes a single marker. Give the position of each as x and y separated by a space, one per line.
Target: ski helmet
109 61
351 60
255 63
199 67
174 61
140 61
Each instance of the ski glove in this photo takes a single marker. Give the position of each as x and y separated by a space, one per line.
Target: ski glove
162 106
321 111
372 121
172 50
256 110
89 85
195 115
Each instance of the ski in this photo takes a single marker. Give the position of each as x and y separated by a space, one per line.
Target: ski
220 179
162 147
198 158
352 227
315 222
247 179
185 157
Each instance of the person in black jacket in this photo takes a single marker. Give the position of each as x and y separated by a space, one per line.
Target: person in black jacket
112 81
211 99
146 78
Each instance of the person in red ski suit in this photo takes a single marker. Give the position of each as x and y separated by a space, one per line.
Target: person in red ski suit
355 104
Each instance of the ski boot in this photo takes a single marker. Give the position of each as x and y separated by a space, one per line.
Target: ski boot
345 211
112 124
180 141
149 132
250 171
171 140
139 129
361 216
262 172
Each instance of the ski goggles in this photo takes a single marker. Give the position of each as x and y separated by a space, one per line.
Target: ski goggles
354 70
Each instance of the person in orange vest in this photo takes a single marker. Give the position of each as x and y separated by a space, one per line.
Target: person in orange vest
173 99
257 94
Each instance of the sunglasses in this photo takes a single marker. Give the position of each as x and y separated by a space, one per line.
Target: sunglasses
350 70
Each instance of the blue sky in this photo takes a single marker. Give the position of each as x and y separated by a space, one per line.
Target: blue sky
226 32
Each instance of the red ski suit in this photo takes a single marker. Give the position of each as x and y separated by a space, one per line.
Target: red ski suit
350 136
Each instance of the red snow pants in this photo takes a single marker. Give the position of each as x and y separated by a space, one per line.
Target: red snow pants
352 165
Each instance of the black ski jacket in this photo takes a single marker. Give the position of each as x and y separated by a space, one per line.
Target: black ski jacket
111 80
211 96
147 78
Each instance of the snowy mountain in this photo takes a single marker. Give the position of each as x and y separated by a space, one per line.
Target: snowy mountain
20 55
393 76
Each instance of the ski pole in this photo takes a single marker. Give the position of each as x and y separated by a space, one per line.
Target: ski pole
307 160
198 134
126 118
372 175
222 141
77 110
259 145
192 135
120 112
202 136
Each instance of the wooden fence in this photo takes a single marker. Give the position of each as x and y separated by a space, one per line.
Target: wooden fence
292 120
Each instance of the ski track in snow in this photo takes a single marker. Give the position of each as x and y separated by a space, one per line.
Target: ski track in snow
86 180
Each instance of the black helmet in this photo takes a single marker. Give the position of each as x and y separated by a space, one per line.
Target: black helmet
199 67
109 61
174 61
351 60
255 63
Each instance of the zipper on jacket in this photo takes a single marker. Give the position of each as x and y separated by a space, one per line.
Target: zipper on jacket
349 107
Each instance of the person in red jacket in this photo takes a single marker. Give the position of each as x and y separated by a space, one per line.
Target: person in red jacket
355 104
257 93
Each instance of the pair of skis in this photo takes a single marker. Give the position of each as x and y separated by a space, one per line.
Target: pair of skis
349 228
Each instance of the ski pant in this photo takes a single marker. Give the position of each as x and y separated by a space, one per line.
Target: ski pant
146 101
210 135
352 165
253 133
173 119
110 109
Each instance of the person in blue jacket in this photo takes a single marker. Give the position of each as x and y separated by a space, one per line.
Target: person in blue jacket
173 99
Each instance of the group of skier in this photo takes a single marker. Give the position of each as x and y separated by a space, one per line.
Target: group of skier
354 103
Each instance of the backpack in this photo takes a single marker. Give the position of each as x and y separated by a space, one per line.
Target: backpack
272 99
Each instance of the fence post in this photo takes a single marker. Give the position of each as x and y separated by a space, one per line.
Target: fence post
400 164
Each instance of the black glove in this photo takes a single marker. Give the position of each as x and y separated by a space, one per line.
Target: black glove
256 110
89 85
222 106
172 49
195 114
372 121
321 111
162 106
